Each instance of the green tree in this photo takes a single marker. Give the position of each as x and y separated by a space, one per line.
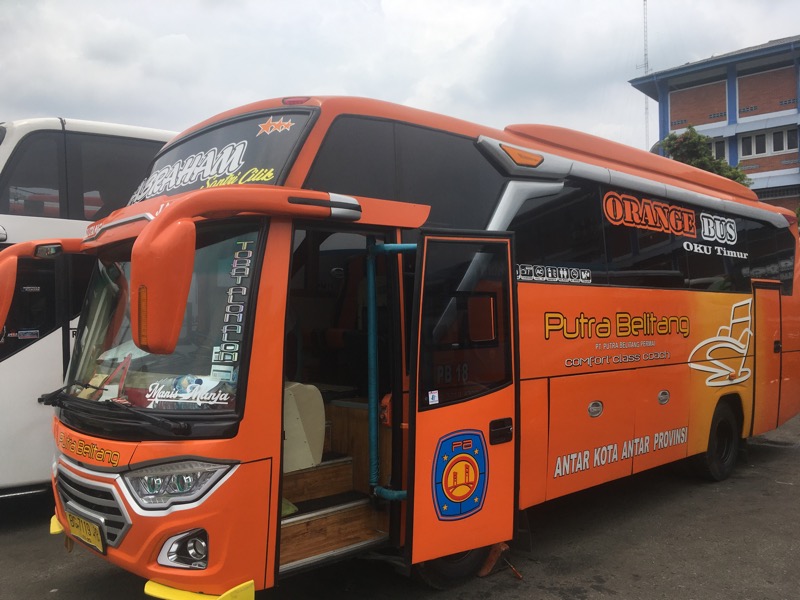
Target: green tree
694 149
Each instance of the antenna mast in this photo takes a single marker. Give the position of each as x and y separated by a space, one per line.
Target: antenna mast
646 72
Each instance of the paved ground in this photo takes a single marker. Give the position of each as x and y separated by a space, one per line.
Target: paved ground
658 535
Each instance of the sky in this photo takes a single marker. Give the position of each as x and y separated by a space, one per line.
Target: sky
172 63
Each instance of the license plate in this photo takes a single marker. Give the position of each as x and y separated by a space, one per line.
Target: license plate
86 531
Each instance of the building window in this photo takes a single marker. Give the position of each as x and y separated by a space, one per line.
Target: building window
717 148
774 142
791 139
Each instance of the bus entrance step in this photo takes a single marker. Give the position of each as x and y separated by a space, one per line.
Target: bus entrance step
326 479
338 525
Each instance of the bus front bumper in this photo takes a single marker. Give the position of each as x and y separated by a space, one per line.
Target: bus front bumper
245 591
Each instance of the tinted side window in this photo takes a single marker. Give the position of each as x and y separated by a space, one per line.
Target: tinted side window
30 184
449 173
786 250
33 309
357 157
396 161
771 253
565 230
645 258
465 343
104 171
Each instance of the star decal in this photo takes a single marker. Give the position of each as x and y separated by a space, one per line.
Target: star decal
271 125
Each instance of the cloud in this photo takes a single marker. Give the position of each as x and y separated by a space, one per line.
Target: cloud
171 64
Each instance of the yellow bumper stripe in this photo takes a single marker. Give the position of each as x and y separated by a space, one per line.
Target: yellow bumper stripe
245 591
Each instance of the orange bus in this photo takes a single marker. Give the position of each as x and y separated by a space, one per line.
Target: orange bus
324 326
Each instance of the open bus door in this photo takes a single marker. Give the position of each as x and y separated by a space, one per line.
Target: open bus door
464 395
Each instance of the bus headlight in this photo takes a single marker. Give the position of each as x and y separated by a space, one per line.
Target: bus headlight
160 486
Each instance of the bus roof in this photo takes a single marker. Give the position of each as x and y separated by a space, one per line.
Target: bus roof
21 127
570 144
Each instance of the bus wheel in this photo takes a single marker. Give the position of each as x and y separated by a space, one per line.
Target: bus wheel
449 571
718 462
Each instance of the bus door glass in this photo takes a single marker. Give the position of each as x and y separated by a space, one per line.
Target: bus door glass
463 395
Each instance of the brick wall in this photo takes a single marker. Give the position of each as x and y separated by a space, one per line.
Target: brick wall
768 92
698 106
791 203
760 164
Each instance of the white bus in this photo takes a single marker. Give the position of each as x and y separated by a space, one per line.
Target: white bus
56 176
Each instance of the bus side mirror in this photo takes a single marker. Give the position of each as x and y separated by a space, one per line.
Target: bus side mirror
162 262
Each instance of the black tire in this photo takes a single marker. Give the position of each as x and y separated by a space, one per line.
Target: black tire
724 440
453 570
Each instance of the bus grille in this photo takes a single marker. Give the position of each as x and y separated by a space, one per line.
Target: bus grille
96 501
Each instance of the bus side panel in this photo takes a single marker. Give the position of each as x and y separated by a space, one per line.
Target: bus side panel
591 419
533 432
662 417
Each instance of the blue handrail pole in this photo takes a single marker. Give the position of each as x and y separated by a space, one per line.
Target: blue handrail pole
372 365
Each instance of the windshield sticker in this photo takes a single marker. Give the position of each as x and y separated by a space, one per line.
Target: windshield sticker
251 176
225 356
203 166
271 125
28 334
190 391
253 150
553 274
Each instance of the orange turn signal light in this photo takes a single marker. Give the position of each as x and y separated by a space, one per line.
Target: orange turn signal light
522 158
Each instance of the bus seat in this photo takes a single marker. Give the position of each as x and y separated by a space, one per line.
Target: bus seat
303 425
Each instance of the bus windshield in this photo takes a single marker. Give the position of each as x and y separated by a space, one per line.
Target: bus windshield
254 149
203 371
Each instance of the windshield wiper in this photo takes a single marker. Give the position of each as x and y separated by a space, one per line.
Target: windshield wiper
57 397
177 427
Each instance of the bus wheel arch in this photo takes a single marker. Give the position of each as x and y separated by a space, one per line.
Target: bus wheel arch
724 440
450 571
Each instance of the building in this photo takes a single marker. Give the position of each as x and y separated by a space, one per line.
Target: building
746 101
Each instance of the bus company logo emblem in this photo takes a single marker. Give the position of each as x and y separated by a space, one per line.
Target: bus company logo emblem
724 355
460 475
642 213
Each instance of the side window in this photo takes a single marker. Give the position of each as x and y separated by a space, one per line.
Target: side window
642 258
450 174
357 157
33 308
562 231
31 183
396 161
771 253
104 171
644 239
786 250
465 343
